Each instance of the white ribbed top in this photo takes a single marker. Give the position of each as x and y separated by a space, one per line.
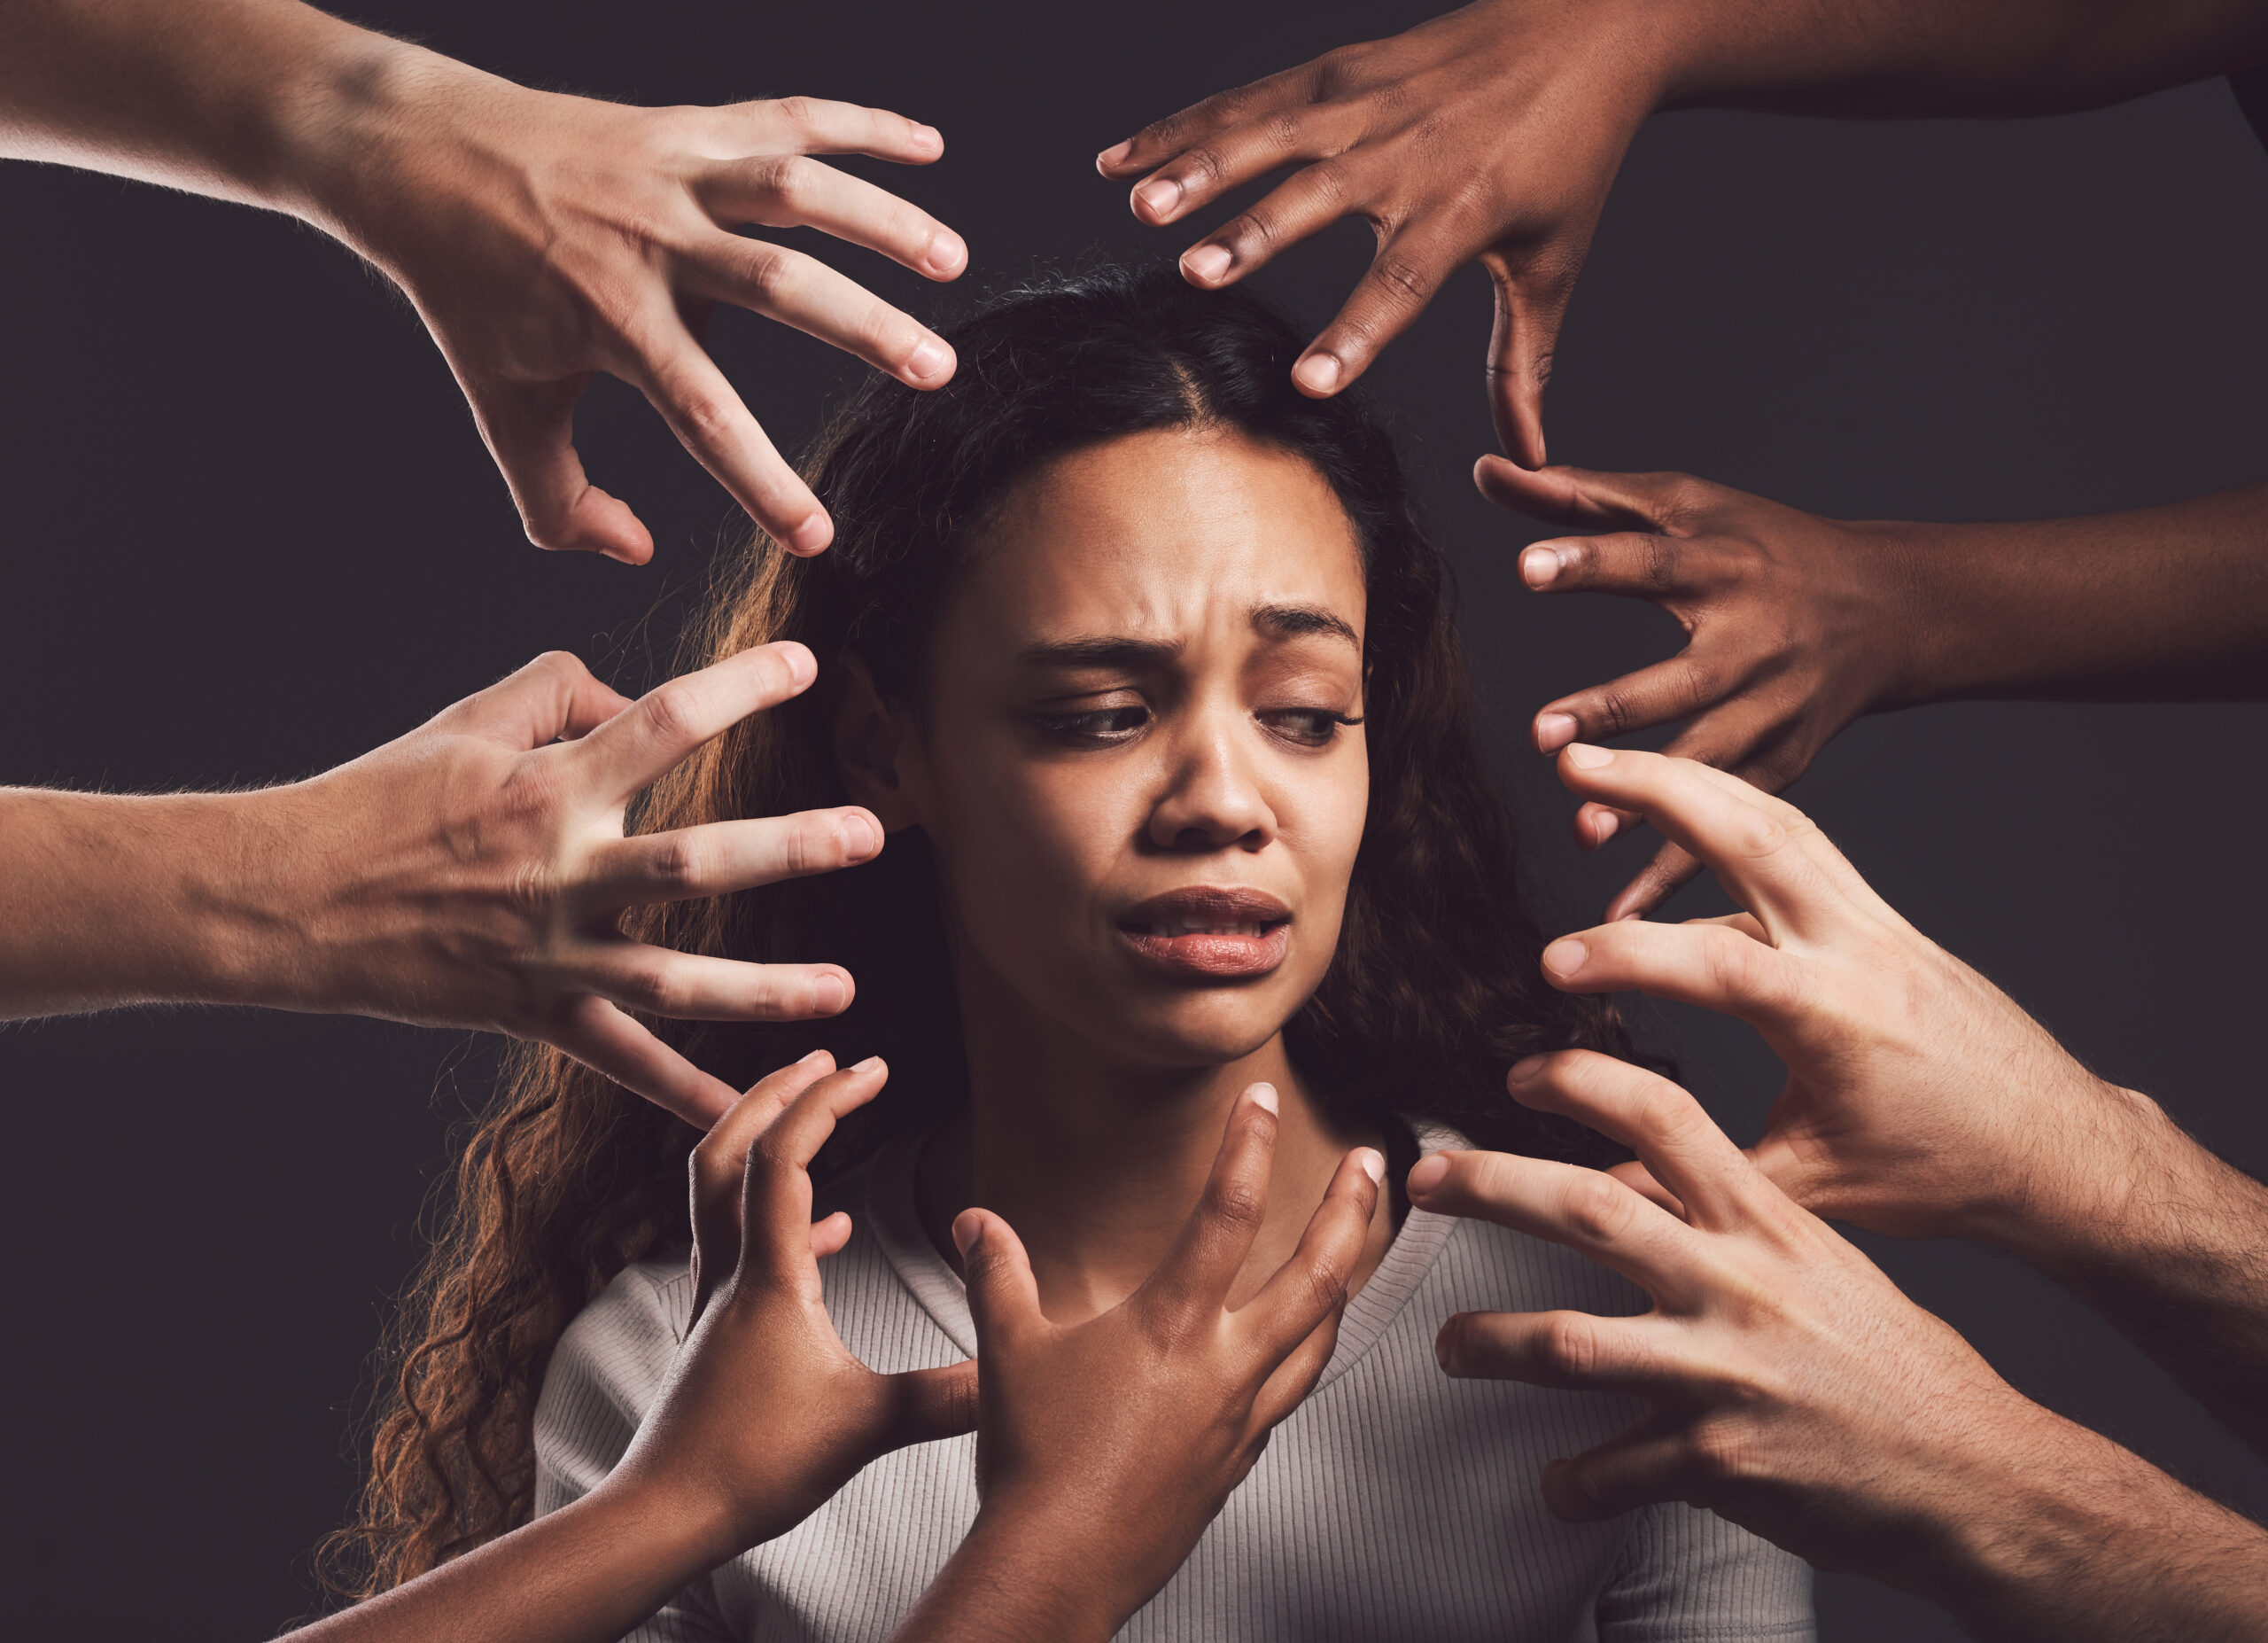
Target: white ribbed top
1395 1503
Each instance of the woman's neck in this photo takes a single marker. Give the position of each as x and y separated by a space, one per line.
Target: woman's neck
1097 1164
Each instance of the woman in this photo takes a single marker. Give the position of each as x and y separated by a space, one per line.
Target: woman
1143 662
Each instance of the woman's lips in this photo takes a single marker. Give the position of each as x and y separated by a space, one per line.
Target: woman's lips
1218 933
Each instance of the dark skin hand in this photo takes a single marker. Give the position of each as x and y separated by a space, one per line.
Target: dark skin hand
1796 625
1494 133
1793 1390
764 1417
1104 1448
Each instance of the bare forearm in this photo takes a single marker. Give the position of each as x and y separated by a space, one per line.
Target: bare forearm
2156 603
1890 59
112 900
1011 1584
2057 1533
590 1570
2170 1246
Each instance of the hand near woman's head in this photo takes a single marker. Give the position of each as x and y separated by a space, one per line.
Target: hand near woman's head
767 1413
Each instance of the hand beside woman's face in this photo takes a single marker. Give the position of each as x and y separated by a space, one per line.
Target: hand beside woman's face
1144 801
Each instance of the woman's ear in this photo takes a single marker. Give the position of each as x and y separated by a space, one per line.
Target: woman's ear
876 752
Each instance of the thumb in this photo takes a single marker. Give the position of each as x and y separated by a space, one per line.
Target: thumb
1580 497
929 1403
530 428
1003 1296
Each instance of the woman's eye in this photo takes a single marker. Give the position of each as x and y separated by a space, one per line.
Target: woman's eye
1309 727
1098 727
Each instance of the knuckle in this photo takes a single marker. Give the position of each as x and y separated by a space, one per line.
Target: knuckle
1568 1346
791 179
649 985
1599 1208
800 111
673 711
1237 1202
1202 168
676 864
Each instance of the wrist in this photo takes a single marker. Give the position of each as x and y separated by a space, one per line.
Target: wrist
2080 1200
1048 1585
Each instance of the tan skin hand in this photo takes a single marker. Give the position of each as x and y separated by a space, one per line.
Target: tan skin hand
1794 627
1123 1435
544 238
1491 133
1883 1121
767 1413
475 872
1794 1390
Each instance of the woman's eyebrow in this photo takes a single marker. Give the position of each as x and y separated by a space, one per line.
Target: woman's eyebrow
1295 621
1102 650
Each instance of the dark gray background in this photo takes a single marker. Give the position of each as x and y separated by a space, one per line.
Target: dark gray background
252 534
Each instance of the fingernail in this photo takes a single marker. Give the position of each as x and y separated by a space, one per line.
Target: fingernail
1114 155
947 252
1603 826
967 1225
1158 195
816 530
872 1063
1426 1174
1529 1066
1373 1164
933 358
1583 756
859 837
1566 956
817 1055
1554 731
1263 1096
1318 373
803 666
829 995
1540 566
1207 263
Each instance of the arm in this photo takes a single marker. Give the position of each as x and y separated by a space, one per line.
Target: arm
540 236
1794 1390
764 1417
472 874
1103 1449
1797 625
1493 134
1920 1101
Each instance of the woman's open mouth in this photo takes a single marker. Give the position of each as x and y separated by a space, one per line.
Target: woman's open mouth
1208 931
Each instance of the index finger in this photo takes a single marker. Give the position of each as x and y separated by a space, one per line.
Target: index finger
1162 140
818 125
1655 1118
1210 1252
664 727
1765 852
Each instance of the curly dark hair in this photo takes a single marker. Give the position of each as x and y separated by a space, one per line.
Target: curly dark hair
1434 988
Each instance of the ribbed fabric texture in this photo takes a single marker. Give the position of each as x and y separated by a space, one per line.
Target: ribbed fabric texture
1395 1503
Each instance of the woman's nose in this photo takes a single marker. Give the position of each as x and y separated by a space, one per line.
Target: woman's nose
1212 801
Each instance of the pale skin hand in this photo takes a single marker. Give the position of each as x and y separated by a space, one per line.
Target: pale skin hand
1104 1448
1796 625
1795 1390
472 874
1494 133
765 1415
1920 1101
541 237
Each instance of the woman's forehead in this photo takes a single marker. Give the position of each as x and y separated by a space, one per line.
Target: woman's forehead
1158 534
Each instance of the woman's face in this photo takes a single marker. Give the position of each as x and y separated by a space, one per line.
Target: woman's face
1135 769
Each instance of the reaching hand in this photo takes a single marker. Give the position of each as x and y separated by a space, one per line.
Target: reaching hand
474 872
1794 1390
1921 1101
544 238
1492 133
767 1413
1795 628
1105 1448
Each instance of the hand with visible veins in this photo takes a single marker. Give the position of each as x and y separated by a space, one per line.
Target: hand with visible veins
764 1416
473 873
1104 1448
1796 625
541 237
1921 1101
1793 1389
1494 133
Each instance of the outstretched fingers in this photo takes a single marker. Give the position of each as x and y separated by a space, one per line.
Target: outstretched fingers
718 857
603 1039
1210 1252
667 724
1294 1319
776 1184
1656 1119
1711 964
718 1171
1640 1466
530 430
925 1404
1567 1350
